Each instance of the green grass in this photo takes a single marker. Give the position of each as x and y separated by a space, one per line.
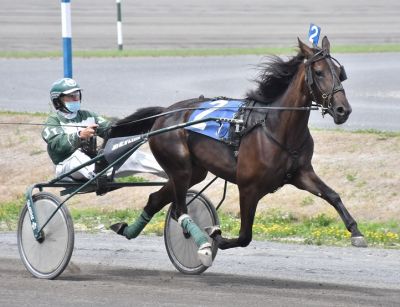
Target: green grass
9 214
271 226
195 52
379 133
366 48
318 230
12 113
130 179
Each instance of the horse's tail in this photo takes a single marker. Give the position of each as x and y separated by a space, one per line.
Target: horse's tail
133 125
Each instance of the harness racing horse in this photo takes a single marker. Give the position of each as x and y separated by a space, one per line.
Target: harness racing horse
275 146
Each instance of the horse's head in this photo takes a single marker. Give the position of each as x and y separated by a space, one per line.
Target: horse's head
324 76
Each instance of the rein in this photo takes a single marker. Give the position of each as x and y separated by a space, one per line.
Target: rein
310 108
38 124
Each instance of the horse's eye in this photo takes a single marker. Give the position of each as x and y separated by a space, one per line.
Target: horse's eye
319 73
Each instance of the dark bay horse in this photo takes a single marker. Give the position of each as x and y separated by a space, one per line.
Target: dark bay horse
275 148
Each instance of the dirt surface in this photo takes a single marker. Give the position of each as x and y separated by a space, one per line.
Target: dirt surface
36 25
362 168
108 270
121 286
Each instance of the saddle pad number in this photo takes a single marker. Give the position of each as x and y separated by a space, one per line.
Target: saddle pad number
222 108
216 105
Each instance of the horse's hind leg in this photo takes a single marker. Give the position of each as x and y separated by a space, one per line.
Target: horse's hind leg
309 181
180 166
182 184
182 171
155 203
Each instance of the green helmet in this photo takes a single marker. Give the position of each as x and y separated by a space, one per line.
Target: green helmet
61 87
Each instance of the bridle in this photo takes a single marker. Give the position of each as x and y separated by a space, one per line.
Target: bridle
326 97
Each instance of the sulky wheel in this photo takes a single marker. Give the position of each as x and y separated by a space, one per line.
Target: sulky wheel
46 259
181 249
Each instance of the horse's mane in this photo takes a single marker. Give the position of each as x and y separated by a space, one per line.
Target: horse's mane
274 78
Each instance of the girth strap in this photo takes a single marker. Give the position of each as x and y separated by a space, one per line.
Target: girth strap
294 154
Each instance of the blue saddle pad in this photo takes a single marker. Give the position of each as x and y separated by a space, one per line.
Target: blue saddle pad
215 108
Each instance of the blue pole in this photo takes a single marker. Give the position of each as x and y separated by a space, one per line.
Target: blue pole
66 37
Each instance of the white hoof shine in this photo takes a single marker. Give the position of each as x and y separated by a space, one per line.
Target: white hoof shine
205 254
359 241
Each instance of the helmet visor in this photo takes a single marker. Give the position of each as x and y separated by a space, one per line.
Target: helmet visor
71 90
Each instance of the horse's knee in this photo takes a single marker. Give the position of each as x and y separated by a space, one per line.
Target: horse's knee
334 199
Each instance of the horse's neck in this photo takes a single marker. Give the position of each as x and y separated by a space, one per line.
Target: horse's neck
292 126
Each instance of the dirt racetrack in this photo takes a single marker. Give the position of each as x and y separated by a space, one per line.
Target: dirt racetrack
36 25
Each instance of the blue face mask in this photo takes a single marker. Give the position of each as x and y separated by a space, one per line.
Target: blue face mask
73 106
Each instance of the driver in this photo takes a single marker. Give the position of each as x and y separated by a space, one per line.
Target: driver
70 135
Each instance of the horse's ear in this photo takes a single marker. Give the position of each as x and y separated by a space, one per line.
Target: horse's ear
326 45
305 50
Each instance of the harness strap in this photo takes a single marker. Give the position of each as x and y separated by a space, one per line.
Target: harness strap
295 160
294 154
246 116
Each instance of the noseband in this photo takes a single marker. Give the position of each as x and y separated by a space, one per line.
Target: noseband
326 97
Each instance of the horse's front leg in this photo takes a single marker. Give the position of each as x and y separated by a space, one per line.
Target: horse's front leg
309 181
248 205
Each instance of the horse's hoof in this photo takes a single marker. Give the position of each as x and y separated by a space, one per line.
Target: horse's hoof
119 228
205 254
213 231
359 241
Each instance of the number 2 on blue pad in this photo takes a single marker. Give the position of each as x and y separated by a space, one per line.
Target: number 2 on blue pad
313 34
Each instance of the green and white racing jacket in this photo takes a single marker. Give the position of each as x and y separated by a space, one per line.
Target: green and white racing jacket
61 134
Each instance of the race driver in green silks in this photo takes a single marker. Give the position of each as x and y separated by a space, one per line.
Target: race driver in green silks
70 136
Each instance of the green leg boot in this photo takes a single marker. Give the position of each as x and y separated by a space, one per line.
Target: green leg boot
132 231
204 252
